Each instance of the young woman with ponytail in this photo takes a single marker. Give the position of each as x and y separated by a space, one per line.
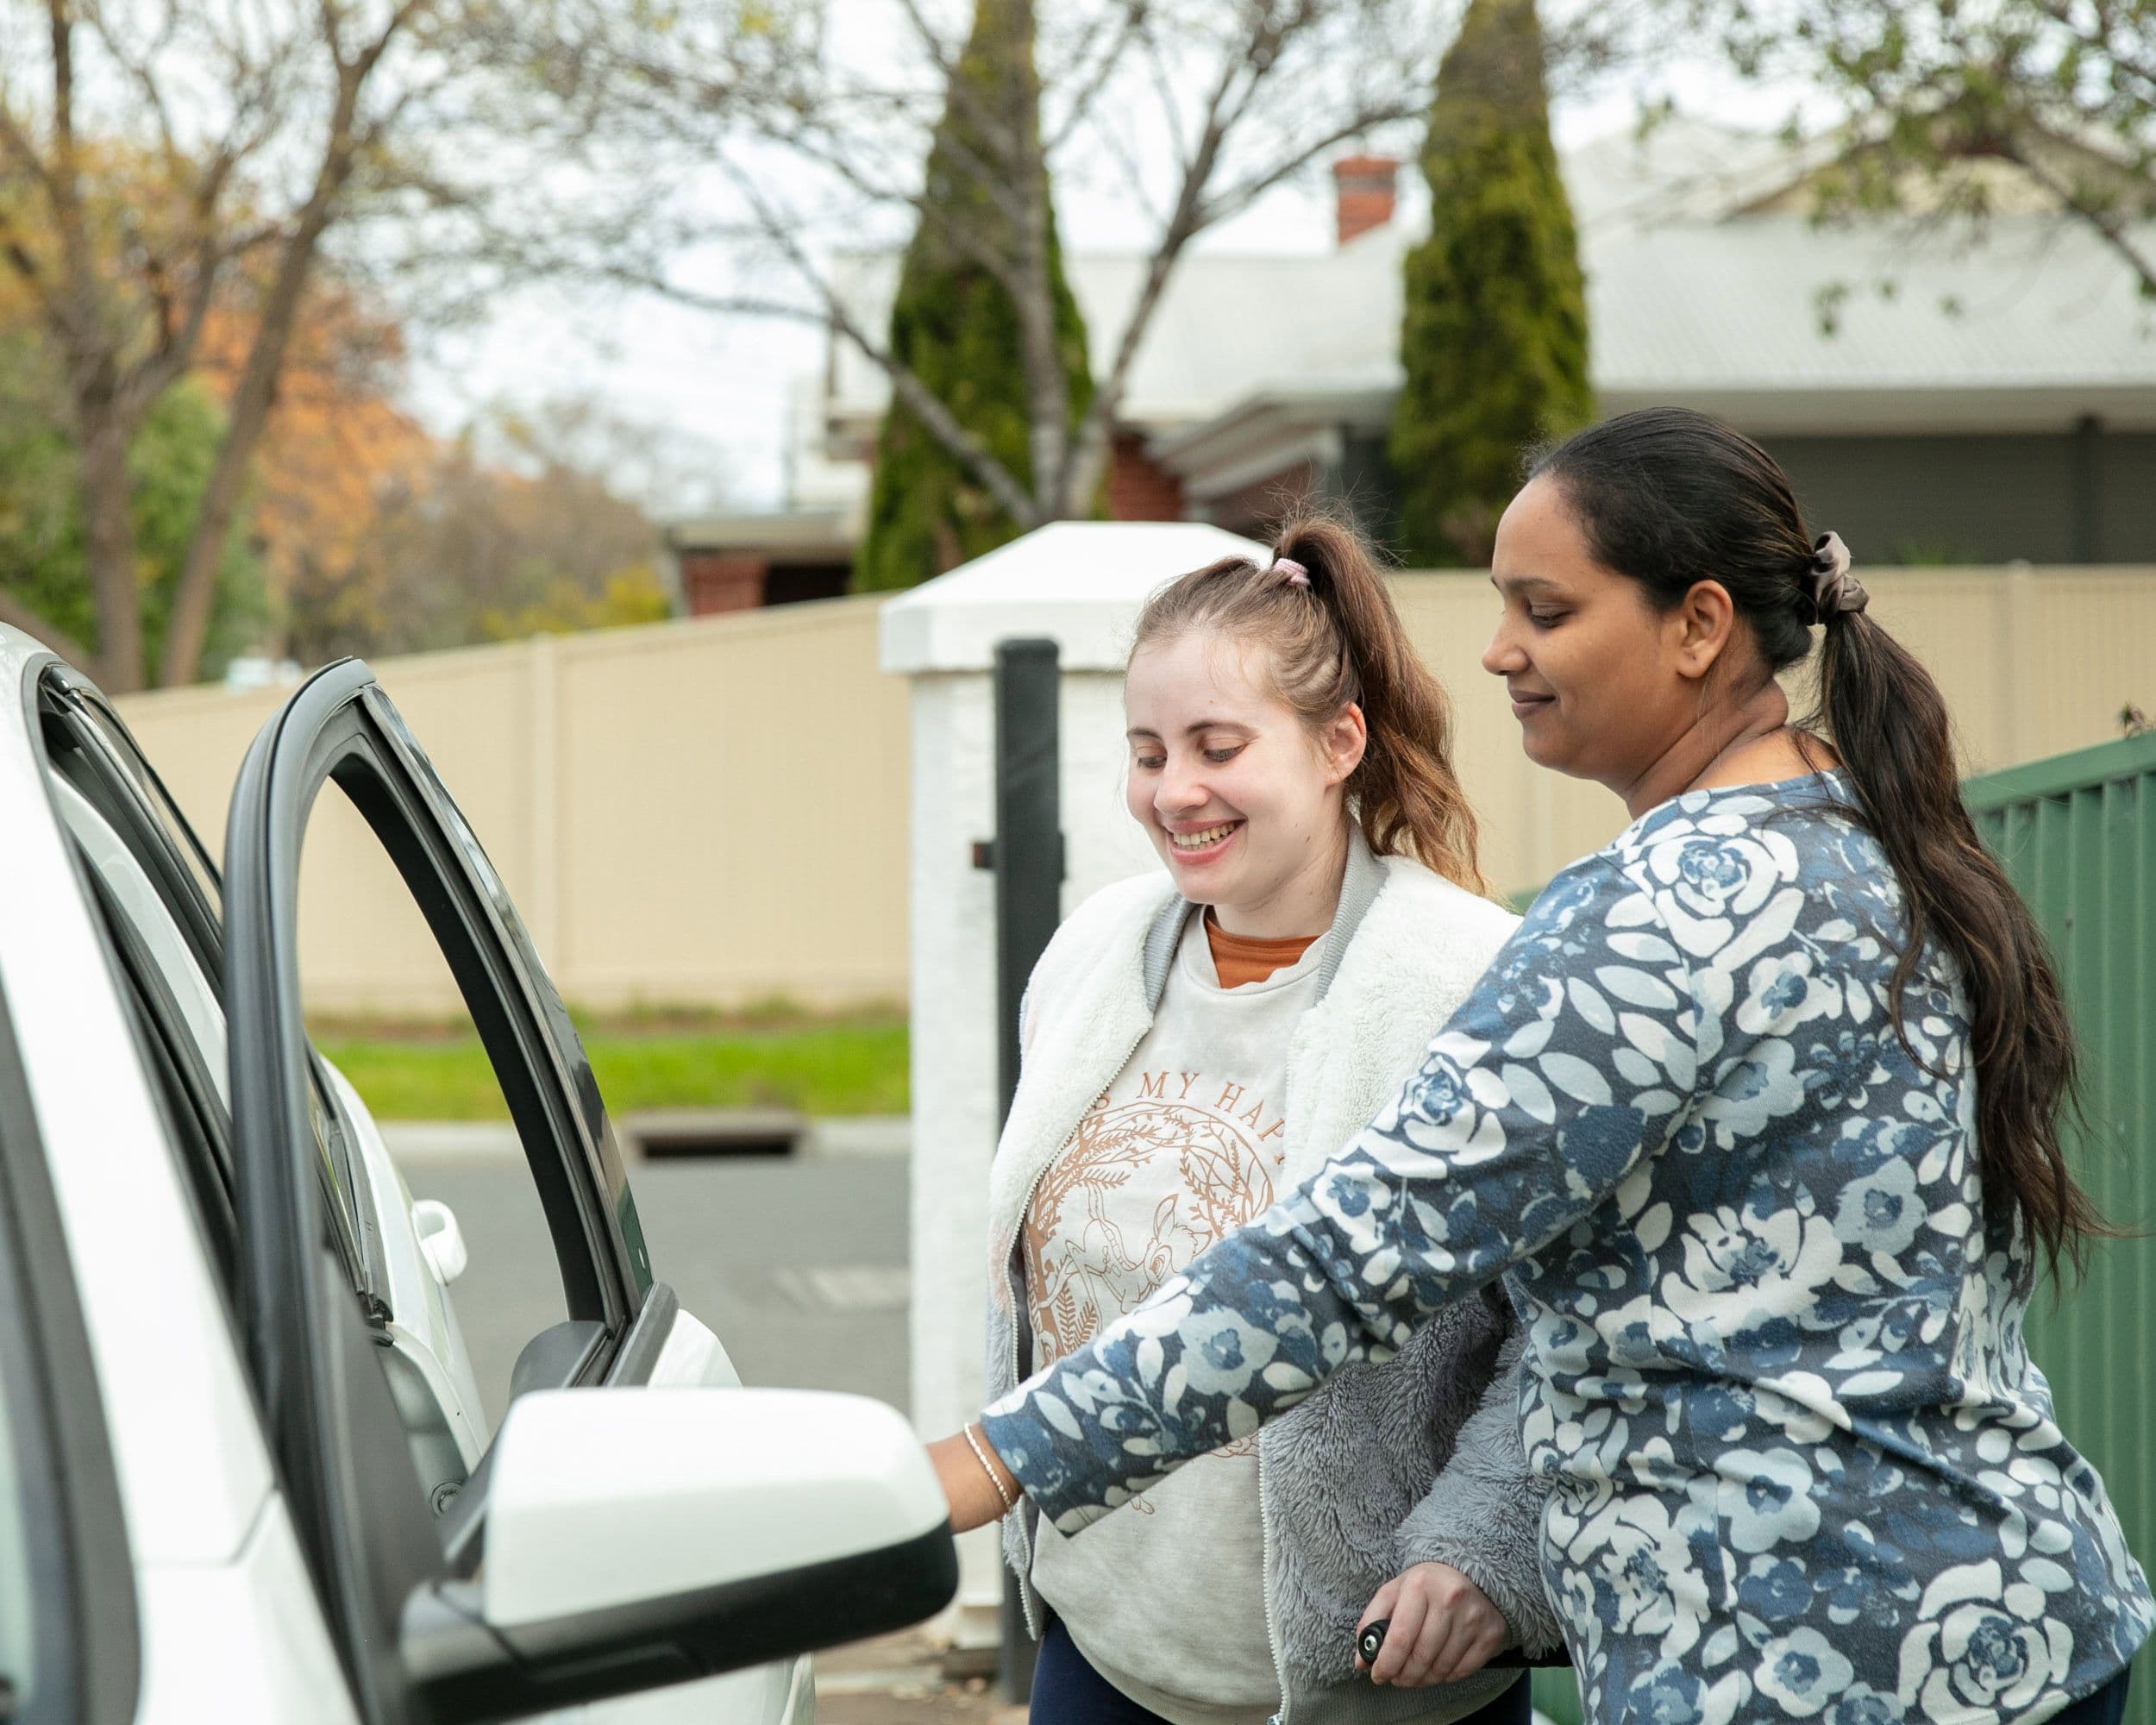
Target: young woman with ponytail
1756 1117
1197 1043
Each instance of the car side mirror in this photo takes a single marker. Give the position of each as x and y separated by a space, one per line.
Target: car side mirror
636 1538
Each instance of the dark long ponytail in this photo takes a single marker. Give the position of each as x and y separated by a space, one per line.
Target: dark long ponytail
1669 497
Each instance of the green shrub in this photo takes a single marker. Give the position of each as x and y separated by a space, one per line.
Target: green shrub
955 326
1494 333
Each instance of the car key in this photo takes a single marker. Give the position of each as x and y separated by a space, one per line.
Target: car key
1372 1637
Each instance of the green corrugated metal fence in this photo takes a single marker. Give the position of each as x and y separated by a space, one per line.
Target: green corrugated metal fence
2078 833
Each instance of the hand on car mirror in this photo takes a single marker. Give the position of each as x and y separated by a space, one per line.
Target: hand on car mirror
975 1497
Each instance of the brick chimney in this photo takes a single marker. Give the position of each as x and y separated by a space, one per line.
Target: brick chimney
1365 193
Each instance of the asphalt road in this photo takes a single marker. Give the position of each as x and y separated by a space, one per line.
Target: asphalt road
799 1263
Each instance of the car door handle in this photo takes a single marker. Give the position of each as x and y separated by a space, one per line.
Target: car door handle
440 1238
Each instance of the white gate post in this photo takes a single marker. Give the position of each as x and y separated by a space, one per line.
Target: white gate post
1078 583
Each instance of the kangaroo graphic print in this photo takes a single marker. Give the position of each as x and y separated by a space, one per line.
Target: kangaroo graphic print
1801 1464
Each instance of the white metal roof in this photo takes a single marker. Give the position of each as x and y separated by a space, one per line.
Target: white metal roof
1736 305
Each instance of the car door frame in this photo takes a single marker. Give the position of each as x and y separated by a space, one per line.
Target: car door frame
83 1611
121 785
319 1408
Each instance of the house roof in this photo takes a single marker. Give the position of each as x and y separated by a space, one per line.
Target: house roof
1704 286
1736 308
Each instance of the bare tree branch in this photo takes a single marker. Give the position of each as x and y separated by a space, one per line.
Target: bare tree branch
137 71
2103 219
16 143
1237 197
188 160
1201 106
24 263
2127 51
1122 26
962 237
1003 137
345 135
941 423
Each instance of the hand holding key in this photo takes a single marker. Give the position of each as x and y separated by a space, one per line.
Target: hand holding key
1429 1624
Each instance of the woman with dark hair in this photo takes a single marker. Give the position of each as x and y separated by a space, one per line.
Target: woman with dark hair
1757 1117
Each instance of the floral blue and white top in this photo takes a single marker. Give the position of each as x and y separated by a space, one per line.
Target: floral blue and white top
1801 1464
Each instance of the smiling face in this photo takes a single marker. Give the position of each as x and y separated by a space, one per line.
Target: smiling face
1243 804
1603 684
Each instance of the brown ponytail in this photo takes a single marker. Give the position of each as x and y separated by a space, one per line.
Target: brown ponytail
1334 638
1669 498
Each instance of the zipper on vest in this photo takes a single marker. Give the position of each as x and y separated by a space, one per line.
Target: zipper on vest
1264 1510
1027 1598
1265 1578
1019 1374
1028 1601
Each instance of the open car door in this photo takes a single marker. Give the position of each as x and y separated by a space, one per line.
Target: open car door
394 1554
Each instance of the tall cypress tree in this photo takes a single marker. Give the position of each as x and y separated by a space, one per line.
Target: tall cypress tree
955 326
1494 336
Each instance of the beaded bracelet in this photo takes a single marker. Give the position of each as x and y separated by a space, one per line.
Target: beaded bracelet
995 1479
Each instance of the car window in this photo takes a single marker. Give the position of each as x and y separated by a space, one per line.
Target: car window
514 1257
432 1115
161 907
124 880
95 720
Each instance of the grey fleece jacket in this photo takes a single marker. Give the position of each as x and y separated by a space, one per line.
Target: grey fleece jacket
1416 1459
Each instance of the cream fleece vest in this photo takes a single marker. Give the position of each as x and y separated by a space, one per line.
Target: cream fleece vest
1383 1448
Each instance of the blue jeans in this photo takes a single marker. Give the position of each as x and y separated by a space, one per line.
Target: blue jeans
1066 1691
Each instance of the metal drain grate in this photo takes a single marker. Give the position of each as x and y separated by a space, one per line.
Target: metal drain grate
681 1134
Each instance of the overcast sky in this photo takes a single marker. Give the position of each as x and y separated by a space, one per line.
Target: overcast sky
713 390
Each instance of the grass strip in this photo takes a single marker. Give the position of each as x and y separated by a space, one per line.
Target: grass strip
833 1068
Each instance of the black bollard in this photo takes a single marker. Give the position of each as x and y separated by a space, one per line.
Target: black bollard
1027 855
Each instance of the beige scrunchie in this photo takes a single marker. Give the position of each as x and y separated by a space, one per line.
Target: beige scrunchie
1829 590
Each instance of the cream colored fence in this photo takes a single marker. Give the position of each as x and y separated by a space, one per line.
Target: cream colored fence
710 812
2031 661
713 811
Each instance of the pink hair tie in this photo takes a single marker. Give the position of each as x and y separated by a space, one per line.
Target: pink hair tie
1297 575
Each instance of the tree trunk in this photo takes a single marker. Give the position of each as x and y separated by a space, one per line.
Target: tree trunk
108 528
1087 468
196 596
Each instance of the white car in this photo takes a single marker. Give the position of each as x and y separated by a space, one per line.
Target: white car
245 1474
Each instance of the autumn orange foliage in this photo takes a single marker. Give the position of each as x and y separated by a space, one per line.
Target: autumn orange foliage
337 451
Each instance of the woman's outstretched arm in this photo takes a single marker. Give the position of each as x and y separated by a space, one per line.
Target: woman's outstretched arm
1575 1057
976 1485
